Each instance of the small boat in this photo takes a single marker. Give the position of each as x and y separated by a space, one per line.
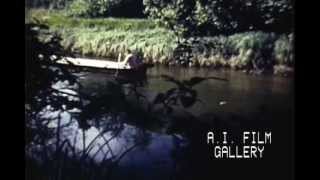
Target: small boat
94 63
104 65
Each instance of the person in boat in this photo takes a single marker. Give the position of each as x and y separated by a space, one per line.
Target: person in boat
132 59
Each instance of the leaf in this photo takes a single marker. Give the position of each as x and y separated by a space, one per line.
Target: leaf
159 98
170 92
187 101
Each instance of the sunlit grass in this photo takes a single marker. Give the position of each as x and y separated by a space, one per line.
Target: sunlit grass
55 18
107 37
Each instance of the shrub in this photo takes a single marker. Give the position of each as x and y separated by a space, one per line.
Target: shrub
79 8
252 50
221 16
104 8
88 8
52 4
283 50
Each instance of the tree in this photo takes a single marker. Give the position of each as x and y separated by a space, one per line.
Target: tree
203 17
105 8
53 4
197 18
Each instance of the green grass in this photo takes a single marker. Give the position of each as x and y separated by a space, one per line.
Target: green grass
59 19
246 50
155 43
107 37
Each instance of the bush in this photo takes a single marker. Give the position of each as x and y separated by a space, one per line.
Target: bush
105 8
87 8
254 49
79 8
221 16
283 50
52 4
249 50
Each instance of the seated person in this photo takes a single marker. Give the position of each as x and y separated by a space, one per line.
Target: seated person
132 59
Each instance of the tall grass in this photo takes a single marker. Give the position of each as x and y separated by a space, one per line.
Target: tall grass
59 18
247 50
107 37
93 42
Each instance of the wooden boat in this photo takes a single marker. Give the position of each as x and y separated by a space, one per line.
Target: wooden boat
94 63
104 65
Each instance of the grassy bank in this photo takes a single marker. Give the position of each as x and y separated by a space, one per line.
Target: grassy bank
107 37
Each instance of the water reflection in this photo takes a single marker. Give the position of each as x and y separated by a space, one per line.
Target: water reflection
112 144
121 143
108 144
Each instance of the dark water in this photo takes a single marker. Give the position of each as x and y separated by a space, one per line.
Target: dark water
178 150
243 94
265 100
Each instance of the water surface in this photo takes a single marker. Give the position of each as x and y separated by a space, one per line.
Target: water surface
158 152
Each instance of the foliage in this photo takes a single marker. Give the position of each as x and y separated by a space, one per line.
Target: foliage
182 94
58 19
222 17
79 8
189 19
176 15
254 49
41 70
104 8
88 8
283 50
42 73
250 50
107 37
52 4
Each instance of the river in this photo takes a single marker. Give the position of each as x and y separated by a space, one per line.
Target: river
148 152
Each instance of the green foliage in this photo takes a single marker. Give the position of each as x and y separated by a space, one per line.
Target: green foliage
250 50
191 19
51 4
107 37
254 49
59 19
104 8
220 16
91 42
79 8
88 8
176 15
283 50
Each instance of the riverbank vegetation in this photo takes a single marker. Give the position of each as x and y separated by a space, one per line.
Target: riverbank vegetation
238 43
